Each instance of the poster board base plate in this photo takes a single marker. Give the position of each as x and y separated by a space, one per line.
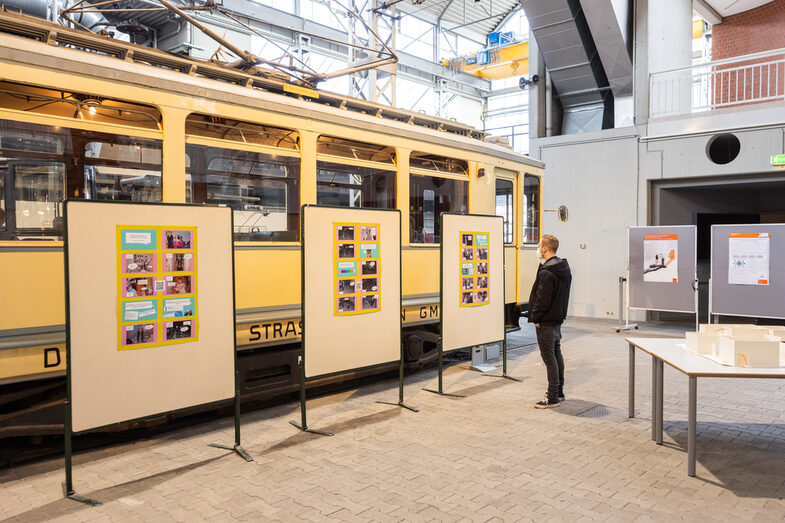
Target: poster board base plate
81 499
627 327
400 404
440 393
483 367
236 448
312 431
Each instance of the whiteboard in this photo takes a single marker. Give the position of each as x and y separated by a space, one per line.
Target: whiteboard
337 339
663 295
469 324
111 383
760 301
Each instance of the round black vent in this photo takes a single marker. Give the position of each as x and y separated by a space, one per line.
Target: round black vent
723 148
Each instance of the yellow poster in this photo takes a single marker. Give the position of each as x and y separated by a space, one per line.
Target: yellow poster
474 269
357 268
157 286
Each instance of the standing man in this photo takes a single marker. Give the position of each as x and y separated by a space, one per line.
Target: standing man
547 310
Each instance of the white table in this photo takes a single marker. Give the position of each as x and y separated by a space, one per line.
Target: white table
667 350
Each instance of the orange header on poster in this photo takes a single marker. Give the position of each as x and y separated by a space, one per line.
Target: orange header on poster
648 237
749 235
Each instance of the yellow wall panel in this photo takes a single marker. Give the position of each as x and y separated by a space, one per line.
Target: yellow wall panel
420 271
264 278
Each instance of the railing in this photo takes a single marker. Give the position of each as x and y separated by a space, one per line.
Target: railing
741 80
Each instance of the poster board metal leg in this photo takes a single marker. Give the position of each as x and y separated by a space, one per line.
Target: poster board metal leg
504 363
68 484
631 391
440 390
303 425
624 312
236 447
400 402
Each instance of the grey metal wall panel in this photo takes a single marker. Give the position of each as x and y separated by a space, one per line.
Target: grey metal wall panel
676 297
761 301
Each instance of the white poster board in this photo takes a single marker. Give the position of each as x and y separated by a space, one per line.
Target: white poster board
351 288
749 258
472 280
150 309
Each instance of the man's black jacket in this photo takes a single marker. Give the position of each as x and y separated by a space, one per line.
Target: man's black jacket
550 293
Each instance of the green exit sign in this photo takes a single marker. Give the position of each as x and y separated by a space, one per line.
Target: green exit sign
778 159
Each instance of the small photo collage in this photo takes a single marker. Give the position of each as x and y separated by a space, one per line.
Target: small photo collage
474 268
157 286
357 268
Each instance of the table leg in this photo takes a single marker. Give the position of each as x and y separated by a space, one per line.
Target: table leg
631 393
691 426
660 372
653 398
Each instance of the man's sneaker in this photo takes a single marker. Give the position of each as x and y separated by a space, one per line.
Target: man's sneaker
561 396
545 404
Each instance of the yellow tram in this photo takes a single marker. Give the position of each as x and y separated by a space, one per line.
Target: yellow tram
84 116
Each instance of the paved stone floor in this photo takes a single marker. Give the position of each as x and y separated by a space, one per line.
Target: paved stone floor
488 457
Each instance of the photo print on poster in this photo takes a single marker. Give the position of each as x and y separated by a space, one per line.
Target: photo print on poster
474 268
153 264
660 258
356 258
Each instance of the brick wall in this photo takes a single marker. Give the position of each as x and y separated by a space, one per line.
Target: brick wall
754 31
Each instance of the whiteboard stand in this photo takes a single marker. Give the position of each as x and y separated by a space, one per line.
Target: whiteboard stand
624 312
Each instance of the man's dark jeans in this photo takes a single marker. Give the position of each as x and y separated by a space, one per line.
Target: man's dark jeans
549 339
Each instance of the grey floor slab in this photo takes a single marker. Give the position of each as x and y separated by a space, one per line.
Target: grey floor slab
488 457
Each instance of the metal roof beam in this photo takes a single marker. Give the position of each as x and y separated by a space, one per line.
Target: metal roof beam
707 12
512 12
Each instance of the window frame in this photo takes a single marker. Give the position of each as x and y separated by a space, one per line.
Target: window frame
524 221
512 214
432 174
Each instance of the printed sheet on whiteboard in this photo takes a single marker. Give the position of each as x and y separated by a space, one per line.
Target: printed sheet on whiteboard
660 258
749 258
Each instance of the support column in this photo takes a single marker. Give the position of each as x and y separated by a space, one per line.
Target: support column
173 155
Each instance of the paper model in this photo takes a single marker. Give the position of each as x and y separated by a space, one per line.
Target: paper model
749 352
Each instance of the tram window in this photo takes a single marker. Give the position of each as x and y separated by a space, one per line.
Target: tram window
38 195
429 197
531 206
262 190
122 171
353 186
2 194
442 164
504 204
245 132
357 150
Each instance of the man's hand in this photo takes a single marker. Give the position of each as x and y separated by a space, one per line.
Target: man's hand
537 325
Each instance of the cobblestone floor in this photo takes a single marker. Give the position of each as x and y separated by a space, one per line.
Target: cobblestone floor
488 457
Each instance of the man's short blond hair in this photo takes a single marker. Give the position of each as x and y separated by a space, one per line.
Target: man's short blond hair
550 242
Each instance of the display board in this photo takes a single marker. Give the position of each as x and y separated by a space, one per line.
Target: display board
472 274
662 268
141 280
748 270
351 288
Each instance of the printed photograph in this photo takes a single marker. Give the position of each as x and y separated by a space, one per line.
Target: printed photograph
467 283
467 269
346 286
369 267
346 304
467 298
346 250
467 240
369 250
179 284
178 307
467 254
345 233
482 282
177 239
370 284
368 234
178 262
135 287
177 330
482 254
370 301
482 296
138 262
482 268
140 334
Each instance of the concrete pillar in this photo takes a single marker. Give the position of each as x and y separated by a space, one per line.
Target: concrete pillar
669 47
536 91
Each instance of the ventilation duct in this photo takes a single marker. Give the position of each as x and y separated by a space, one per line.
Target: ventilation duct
570 55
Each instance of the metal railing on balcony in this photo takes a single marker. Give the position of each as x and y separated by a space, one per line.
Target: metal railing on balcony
741 80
